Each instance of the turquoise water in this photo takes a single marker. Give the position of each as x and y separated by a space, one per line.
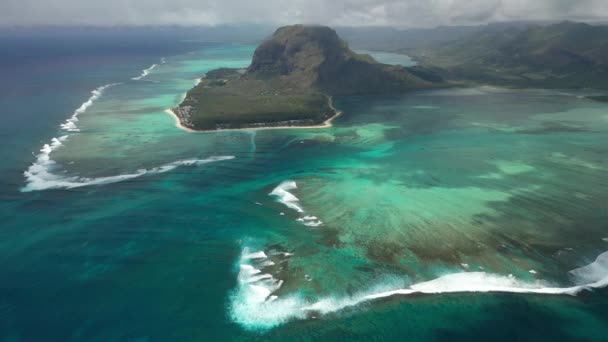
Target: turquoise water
452 214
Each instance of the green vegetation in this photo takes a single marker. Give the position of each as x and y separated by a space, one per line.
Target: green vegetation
565 55
232 100
290 82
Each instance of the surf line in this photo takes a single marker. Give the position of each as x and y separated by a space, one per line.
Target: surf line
40 169
70 124
147 71
40 176
256 305
284 196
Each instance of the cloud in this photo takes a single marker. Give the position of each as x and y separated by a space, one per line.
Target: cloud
401 13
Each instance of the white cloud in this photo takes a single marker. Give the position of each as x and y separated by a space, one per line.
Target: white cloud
402 13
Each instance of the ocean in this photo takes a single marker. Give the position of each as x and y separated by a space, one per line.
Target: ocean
456 214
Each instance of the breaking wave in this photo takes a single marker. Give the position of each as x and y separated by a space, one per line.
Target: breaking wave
40 175
147 71
255 306
41 167
254 294
283 195
70 124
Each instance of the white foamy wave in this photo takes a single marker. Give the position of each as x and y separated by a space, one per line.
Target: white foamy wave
592 273
40 176
257 308
256 255
282 194
311 221
147 71
254 294
43 160
70 124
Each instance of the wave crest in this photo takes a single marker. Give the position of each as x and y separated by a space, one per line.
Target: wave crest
70 124
282 194
255 307
40 175
147 71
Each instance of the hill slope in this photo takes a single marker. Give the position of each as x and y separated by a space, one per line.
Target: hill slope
568 55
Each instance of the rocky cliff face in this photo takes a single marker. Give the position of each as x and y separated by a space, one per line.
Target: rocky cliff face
298 49
315 57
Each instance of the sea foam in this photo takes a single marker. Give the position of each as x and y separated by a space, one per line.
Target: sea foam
257 307
283 195
70 124
281 192
147 71
40 175
253 303
42 165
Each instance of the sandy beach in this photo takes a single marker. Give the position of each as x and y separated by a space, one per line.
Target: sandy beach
178 123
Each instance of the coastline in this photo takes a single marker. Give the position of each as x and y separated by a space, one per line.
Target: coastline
178 123
326 124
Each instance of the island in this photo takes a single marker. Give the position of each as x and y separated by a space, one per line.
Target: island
291 82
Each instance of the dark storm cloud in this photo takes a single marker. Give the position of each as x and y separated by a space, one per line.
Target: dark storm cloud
402 13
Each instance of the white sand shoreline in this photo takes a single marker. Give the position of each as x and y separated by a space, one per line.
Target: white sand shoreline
326 124
178 123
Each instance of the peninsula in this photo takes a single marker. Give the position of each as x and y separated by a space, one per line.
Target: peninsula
291 82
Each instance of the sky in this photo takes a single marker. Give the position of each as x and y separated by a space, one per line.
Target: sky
397 13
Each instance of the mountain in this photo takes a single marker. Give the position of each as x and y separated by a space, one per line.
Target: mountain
563 55
290 82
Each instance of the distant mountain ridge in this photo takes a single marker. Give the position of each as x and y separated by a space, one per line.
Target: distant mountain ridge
567 54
